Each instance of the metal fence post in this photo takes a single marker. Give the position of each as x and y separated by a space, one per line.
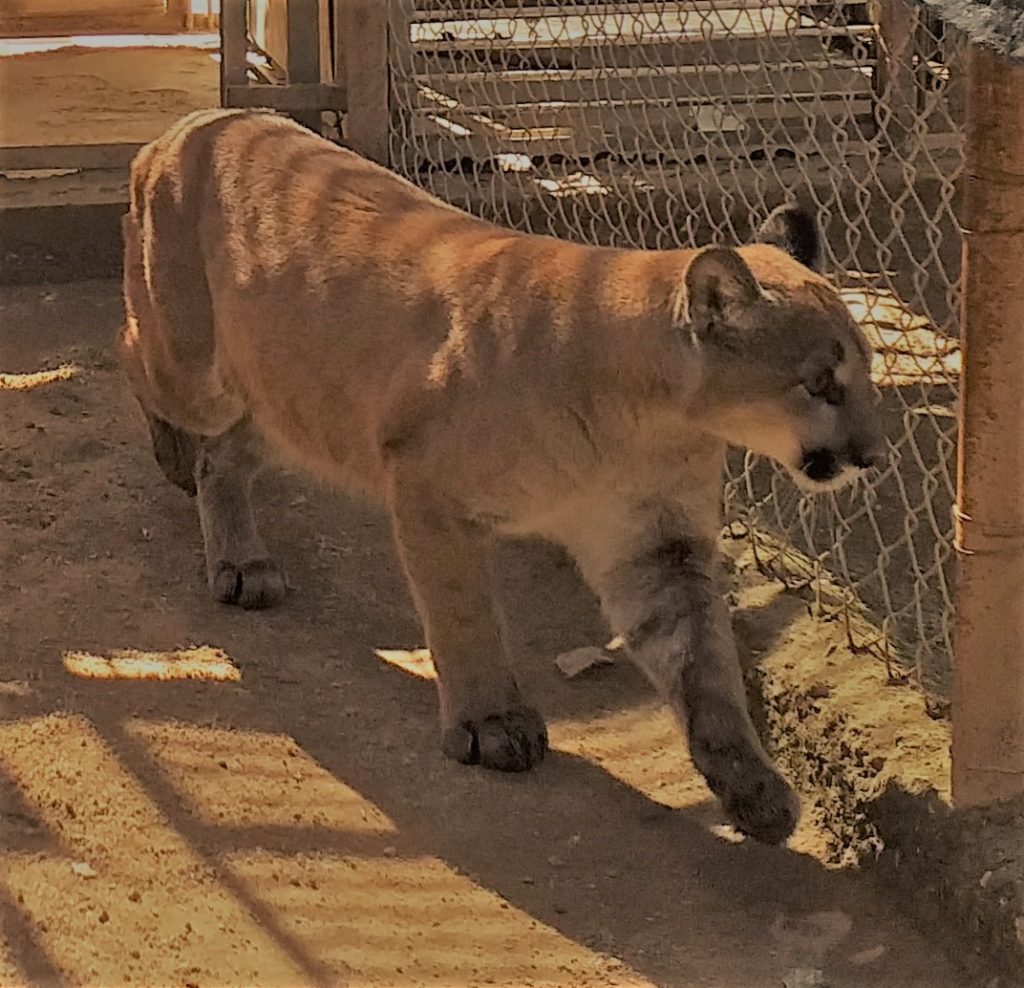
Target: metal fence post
988 691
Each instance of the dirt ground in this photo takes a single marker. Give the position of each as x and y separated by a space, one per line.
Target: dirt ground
290 820
81 93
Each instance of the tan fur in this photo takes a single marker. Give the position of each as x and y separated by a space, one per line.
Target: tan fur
282 290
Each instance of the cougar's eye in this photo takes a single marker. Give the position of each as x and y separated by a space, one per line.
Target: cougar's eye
825 387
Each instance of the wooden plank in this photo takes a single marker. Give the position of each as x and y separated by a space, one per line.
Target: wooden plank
179 12
268 29
620 27
582 132
364 28
453 9
682 82
338 41
802 45
80 8
761 142
127 22
326 59
304 53
643 113
295 97
233 46
303 41
899 27
648 205
88 188
620 33
67 156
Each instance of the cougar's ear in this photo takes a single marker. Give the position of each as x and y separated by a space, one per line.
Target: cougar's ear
793 229
718 283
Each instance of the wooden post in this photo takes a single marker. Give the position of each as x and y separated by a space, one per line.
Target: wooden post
896 82
179 14
363 50
233 46
988 686
304 52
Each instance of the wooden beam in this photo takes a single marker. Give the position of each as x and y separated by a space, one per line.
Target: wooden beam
292 98
473 9
798 45
82 156
679 83
96 186
899 25
127 22
677 133
363 26
304 54
179 13
233 46
338 41
326 56
988 671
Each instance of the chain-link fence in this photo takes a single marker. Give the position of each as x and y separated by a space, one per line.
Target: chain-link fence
662 124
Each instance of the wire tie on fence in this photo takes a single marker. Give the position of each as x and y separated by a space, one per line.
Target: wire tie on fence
972 538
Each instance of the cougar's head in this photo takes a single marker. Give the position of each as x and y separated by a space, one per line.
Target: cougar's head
787 372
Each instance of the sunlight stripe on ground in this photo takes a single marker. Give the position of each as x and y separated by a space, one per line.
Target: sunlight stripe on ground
253 779
151 891
389 922
25 382
416 662
642 746
371 918
202 662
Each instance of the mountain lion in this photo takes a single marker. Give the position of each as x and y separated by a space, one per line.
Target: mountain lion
285 294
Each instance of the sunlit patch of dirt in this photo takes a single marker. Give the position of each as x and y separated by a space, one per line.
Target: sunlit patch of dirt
36 379
417 662
908 350
202 662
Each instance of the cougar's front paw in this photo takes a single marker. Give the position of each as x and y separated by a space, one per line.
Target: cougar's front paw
253 585
509 742
757 800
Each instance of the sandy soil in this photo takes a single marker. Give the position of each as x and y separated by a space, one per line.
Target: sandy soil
292 822
85 95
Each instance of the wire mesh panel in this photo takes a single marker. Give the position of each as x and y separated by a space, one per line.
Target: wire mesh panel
661 124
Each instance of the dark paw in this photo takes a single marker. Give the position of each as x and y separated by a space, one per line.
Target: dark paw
509 742
765 809
757 800
253 585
